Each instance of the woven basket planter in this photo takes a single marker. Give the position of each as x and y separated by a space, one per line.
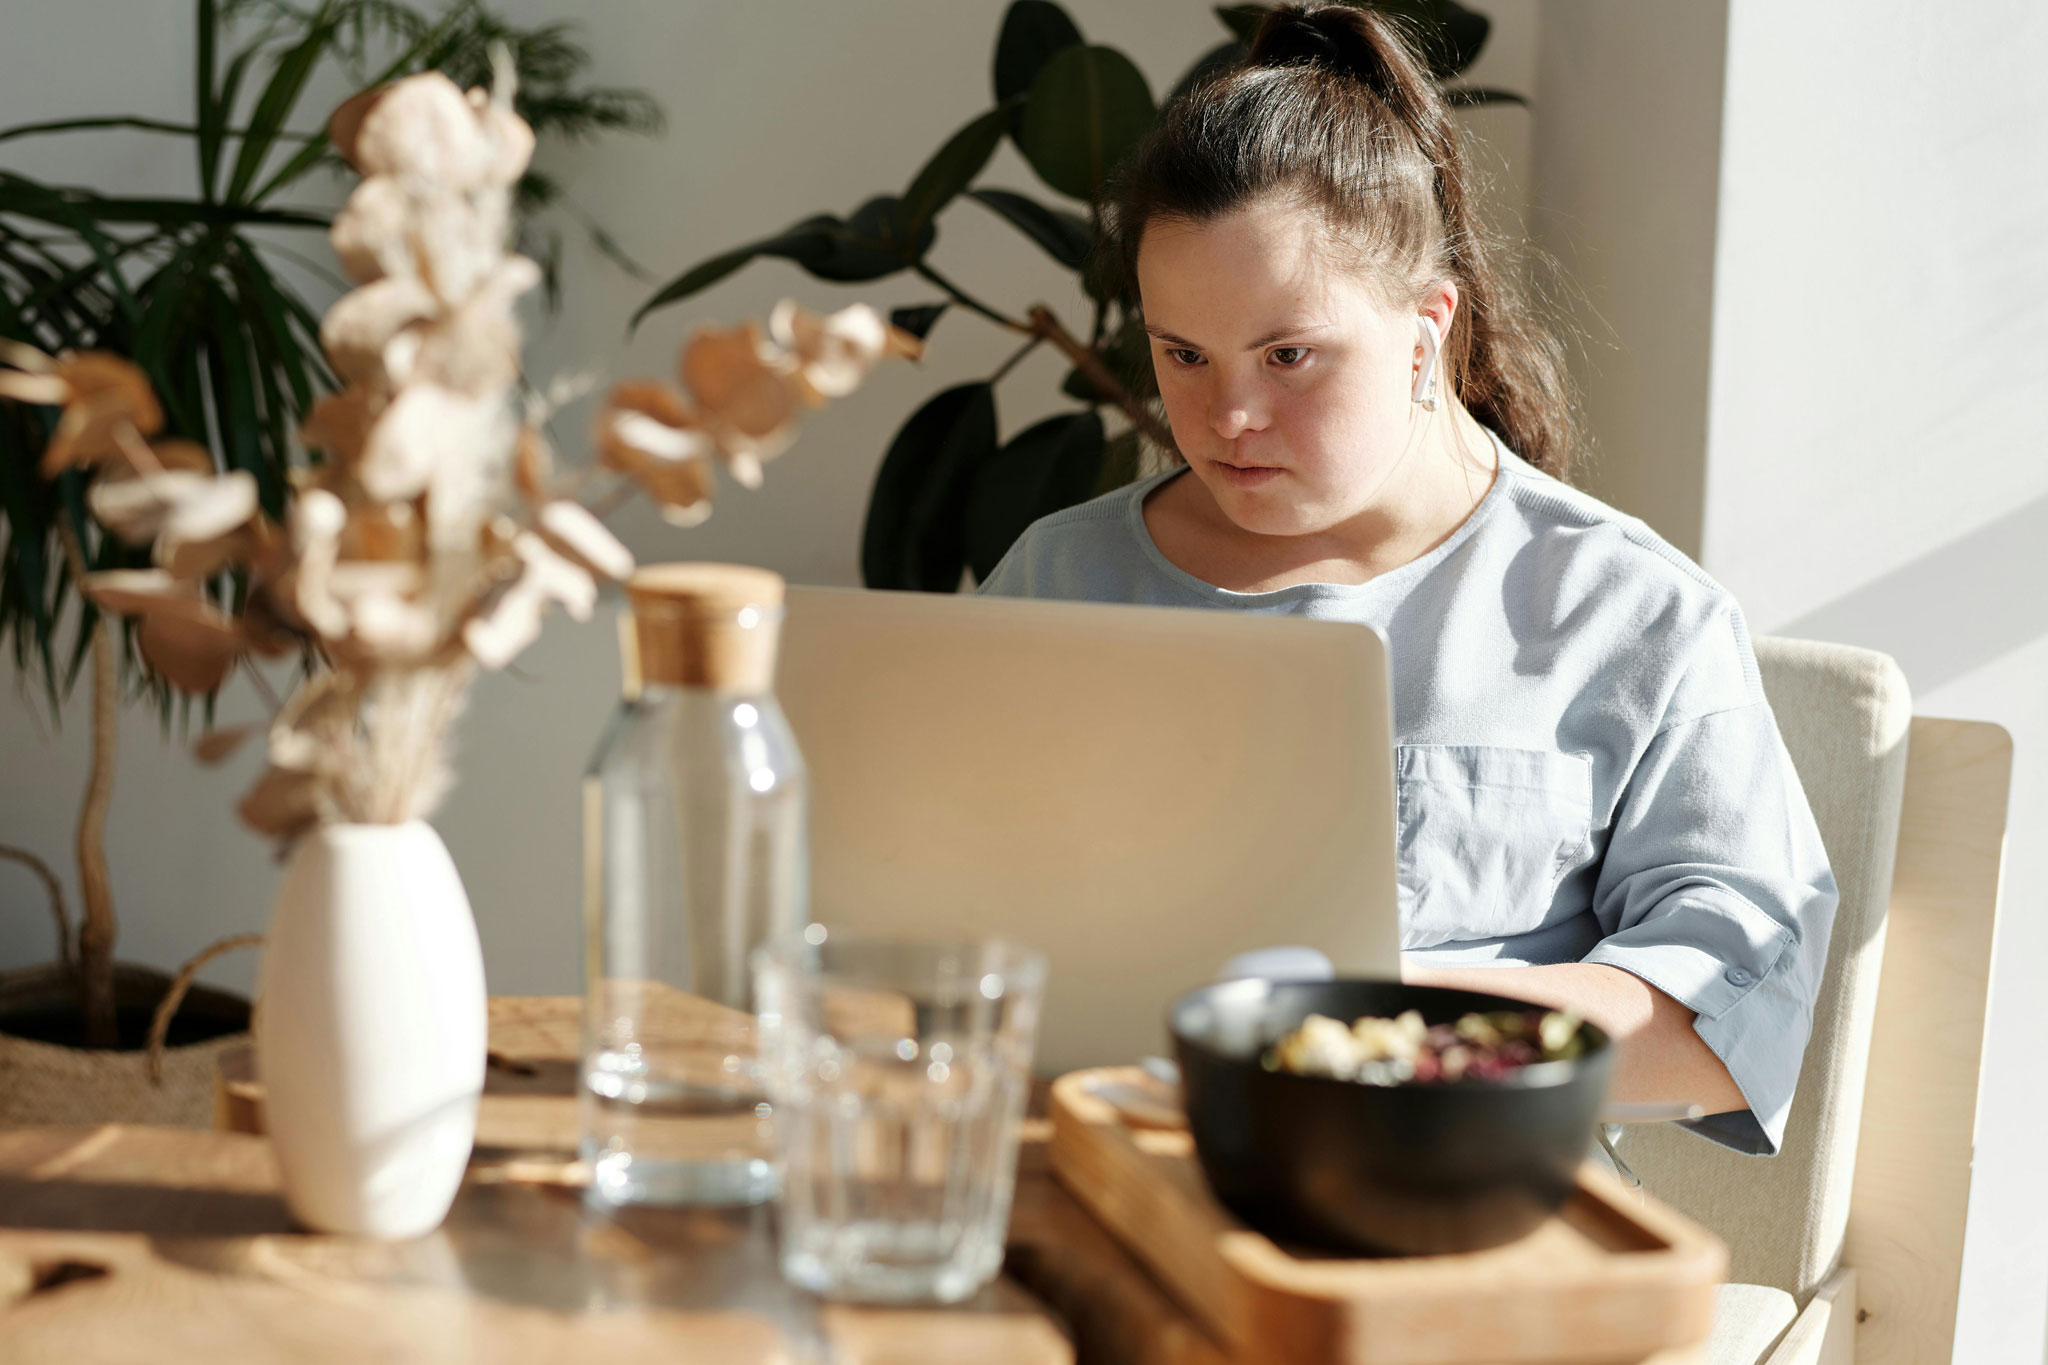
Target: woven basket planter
48 1083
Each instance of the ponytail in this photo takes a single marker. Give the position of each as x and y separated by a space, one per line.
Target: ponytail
1333 105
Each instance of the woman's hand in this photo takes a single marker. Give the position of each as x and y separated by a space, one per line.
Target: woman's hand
1659 1058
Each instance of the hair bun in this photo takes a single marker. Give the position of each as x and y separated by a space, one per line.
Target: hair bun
1329 36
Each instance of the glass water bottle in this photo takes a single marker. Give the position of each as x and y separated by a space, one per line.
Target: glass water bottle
695 853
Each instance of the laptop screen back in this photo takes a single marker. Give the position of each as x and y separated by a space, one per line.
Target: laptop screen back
1137 792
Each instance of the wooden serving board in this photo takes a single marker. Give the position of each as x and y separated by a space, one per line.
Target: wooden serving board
1613 1277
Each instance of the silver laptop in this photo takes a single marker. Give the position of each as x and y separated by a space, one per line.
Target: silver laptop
1140 793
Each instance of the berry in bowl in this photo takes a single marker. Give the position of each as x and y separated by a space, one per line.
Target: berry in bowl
1376 1117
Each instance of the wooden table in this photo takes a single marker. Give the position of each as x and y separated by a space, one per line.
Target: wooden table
167 1245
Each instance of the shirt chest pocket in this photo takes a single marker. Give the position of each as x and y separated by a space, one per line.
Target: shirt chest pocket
1486 835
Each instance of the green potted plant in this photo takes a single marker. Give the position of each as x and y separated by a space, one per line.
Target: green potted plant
951 495
189 289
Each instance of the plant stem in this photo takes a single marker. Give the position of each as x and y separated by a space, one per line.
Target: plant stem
96 930
147 125
967 300
1083 357
263 687
56 889
1088 362
618 496
1008 365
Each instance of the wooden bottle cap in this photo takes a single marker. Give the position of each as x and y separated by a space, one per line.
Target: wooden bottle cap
705 625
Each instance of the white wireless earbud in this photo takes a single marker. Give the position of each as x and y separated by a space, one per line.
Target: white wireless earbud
1425 377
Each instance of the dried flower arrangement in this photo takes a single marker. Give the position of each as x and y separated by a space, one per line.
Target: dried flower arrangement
434 534
199 291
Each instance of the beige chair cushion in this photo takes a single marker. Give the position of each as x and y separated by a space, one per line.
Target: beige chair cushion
1749 1319
1844 714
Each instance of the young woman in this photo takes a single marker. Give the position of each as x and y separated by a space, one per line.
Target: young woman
1596 811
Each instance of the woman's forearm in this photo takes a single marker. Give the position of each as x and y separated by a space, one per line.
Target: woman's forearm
1659 1058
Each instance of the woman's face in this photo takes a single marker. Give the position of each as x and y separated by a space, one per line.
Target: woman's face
1287 383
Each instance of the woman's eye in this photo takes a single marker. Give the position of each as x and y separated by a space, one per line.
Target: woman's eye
1287 357
1181 355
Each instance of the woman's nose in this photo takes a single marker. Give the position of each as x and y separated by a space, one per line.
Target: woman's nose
1233 414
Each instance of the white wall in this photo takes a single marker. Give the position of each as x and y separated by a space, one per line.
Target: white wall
1875 467
1830 351
1625 158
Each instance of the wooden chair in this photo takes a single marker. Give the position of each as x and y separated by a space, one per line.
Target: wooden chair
1848 1246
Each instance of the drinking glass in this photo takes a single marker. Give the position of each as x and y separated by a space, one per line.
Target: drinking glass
898 1072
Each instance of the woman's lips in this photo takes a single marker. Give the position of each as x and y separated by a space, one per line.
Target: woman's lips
1247 476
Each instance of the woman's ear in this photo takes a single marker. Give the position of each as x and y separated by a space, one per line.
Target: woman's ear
1440 305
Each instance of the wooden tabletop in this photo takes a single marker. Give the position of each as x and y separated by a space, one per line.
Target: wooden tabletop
164 1245
128 1243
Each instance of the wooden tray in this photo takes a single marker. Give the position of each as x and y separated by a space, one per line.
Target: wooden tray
1614 1277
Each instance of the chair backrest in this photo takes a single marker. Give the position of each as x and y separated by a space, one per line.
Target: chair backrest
1844 715
1912 1182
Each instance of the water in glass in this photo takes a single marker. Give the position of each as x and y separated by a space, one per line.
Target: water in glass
899 1074
695 834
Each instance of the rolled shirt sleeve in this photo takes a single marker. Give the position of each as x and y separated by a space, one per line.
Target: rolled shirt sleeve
1716 890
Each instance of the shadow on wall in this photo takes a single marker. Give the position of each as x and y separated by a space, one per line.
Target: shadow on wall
1954 609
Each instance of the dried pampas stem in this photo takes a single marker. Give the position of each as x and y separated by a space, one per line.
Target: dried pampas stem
160 1025
398 770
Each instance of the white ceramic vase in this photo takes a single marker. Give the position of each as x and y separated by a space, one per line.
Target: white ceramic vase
370 1028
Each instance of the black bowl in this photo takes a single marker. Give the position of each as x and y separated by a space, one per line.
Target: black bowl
1408 1170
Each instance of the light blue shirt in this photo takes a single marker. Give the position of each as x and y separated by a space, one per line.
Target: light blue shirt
1587 770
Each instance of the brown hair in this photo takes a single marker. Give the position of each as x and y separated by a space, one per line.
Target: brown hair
1333 106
